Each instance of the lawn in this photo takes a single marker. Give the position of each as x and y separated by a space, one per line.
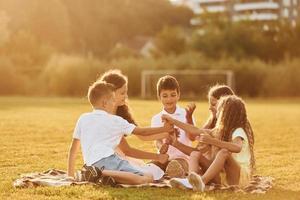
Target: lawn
35 134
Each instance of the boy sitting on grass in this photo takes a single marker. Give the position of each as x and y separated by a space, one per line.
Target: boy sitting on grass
99 132
168 92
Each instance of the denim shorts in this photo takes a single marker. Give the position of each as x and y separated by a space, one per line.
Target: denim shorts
115 163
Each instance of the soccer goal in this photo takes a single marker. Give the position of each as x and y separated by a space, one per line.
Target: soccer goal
193 83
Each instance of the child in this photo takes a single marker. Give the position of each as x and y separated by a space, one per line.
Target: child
120 83
99 133
168 93
233 146
214 94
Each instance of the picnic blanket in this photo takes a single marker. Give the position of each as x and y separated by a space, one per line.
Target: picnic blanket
57 178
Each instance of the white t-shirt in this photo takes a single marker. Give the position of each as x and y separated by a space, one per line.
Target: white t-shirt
243 157
180 115
100 133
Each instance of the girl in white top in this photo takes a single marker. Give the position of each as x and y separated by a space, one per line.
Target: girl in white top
133 155
232 144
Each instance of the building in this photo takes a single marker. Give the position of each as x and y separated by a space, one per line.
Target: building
251 10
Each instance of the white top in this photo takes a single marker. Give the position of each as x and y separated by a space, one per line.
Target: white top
100 133
242 157
180 115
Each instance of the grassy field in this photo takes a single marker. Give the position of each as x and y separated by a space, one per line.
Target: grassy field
35 134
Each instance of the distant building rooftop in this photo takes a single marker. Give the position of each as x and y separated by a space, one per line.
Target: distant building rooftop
253 10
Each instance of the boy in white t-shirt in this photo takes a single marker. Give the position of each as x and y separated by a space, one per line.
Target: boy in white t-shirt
99 133
168 92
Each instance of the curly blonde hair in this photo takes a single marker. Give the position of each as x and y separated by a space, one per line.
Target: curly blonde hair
232 115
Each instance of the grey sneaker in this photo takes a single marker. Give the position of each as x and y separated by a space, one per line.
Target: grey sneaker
196 181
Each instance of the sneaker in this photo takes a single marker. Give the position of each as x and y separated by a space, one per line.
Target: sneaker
175 169
108 180
91 174
181 183
196 181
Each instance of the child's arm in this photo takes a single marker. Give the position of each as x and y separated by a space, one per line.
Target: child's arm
184 148
132 152
158 144
72 156
180 146
152 131
235 146
189 119
208 123
186 127
158 136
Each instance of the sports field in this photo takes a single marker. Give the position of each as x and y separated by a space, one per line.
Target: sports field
35 134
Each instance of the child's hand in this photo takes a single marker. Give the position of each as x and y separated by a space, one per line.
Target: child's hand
167 119
163 158
205 138
164 148
203 147
172 139
168 127
190 108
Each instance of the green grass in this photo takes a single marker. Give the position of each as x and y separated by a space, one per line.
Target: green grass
35 134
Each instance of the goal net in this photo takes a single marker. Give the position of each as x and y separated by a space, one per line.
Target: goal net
193 83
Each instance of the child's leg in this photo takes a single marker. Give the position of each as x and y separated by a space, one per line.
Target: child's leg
196 161
222 159
122 171
127 177
232 170
200 164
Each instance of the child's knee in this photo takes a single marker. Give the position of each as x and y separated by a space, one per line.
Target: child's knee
224 153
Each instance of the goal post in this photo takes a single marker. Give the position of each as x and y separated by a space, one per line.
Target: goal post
228 77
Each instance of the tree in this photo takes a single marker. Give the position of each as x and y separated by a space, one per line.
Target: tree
171 40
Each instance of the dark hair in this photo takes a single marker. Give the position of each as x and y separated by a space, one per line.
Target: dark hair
219 91
98 90
118 80
114 77
167 83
